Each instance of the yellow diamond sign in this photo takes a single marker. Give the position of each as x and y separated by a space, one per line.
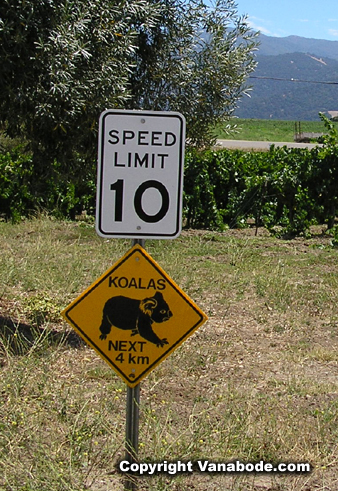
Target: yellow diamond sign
134 315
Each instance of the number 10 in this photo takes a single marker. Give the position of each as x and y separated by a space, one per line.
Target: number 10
118 187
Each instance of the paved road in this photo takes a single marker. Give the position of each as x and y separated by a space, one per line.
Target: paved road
260 145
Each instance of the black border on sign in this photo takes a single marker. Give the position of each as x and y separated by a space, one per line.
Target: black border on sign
100 183
136 380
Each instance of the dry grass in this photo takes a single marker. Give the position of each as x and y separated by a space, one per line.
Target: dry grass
258 381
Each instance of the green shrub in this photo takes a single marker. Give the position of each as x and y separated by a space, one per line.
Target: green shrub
23 191
285 190
16 182
200 205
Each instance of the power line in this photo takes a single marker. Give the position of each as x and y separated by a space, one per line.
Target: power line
294 80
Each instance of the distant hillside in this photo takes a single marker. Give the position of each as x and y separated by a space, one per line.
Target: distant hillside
293 98
271 46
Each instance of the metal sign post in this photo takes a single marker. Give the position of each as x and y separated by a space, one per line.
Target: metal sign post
132 431
132 417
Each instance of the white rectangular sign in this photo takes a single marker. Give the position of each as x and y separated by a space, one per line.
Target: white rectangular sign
140 174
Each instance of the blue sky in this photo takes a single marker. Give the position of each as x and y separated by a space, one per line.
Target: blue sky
311 18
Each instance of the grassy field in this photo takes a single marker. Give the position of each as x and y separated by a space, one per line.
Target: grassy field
258 381
268 130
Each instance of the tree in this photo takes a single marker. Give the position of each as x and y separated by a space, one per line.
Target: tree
195 60
65 61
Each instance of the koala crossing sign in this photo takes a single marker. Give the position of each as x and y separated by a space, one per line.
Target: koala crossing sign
134 315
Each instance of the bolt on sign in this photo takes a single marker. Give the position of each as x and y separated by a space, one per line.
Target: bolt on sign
134 315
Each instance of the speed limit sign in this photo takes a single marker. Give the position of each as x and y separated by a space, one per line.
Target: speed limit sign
140 174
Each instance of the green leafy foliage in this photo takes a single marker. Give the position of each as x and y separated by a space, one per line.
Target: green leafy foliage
326 177
16 173
195 60
285 190
23 192
199 194
64 62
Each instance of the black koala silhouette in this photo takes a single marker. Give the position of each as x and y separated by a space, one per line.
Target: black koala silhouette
136 315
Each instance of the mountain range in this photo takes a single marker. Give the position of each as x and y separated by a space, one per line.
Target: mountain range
295 79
